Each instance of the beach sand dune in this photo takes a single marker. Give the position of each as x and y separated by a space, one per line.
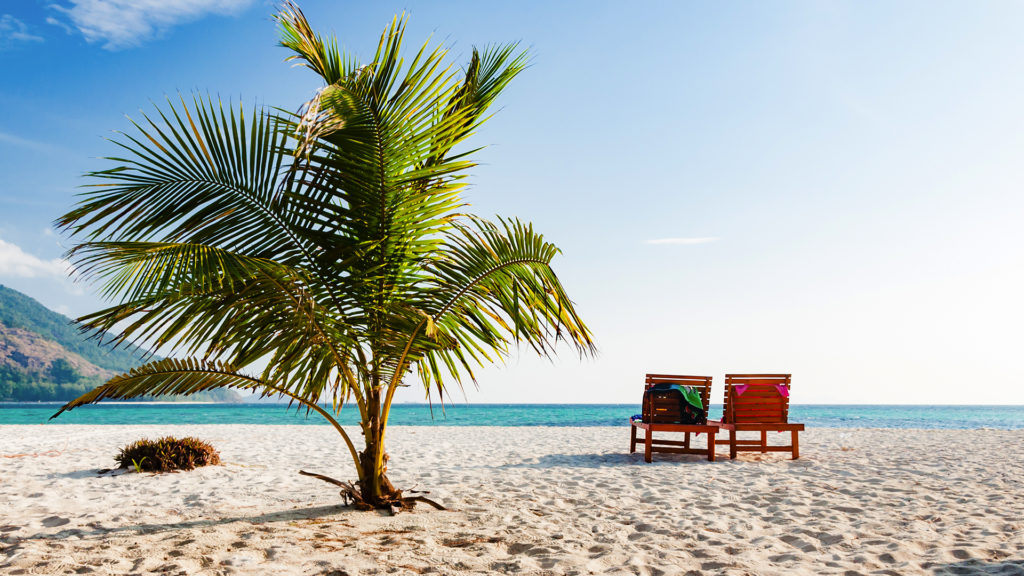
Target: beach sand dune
523 500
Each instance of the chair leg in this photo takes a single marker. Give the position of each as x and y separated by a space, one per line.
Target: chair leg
647 446
796 444
764 441
711 445
732 444
632 438
686 441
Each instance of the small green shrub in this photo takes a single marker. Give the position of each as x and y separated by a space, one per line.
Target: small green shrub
167 454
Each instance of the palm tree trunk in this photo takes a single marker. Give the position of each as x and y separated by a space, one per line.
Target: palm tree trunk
374 486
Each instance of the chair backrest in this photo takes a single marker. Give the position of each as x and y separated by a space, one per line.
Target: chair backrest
760 401
665 409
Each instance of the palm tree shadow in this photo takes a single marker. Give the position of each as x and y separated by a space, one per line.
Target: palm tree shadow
94 473
270 517
980 567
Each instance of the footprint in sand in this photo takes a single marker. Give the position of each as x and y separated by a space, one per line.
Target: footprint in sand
960 554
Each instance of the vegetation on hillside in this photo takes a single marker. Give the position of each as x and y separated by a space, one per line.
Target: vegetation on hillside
20 386
44 358
333 242
59 385
20 311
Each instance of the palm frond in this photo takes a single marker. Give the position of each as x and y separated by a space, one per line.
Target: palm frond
311 50
196 174
193 297
165 378
494 286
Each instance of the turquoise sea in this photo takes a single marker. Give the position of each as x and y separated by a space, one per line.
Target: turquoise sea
832 416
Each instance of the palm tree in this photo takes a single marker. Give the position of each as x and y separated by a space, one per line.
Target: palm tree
330 245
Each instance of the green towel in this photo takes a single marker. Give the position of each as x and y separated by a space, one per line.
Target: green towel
691 394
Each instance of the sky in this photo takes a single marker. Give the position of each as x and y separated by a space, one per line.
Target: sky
828 189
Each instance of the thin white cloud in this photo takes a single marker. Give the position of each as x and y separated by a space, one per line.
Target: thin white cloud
13 31
16 263
20 142
122 24
683 241
59 24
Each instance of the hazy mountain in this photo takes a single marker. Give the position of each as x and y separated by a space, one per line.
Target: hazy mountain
44 357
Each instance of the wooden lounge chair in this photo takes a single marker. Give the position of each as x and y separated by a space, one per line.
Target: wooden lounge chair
660 412
755 403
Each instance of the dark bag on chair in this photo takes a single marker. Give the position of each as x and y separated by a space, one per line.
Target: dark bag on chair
668 405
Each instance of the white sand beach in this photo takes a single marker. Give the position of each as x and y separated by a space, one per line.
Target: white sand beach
523 501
